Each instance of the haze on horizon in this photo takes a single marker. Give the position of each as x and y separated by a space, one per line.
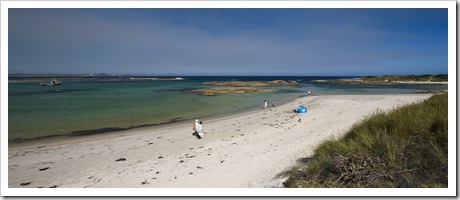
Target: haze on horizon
193 42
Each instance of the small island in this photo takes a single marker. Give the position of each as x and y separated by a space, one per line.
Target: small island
250 83
211 91
242 86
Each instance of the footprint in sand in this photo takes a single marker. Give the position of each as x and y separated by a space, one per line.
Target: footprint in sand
24 184
43 169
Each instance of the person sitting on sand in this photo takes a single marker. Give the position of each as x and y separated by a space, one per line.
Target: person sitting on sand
273 104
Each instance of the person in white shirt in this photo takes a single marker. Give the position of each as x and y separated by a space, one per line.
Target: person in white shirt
199 129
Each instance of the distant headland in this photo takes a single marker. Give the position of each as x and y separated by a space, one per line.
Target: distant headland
429 79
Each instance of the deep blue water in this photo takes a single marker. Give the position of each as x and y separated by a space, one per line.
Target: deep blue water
98 104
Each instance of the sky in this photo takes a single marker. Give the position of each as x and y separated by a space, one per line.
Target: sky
228 41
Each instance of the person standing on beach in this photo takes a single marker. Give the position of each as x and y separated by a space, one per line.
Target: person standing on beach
265 104
199 129
195 127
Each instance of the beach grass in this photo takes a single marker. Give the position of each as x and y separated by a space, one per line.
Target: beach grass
406 147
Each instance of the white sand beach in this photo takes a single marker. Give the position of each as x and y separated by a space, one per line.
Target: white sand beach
246 150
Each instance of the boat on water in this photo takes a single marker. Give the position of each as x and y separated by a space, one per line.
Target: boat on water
53 82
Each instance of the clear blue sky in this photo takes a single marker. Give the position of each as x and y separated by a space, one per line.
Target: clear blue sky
307 42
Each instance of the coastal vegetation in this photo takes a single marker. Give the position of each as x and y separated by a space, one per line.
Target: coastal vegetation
415 78
439 79
406 147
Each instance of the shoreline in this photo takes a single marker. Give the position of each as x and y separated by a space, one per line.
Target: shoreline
244 150
109 131
114 131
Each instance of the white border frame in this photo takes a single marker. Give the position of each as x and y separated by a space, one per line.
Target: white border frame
450 191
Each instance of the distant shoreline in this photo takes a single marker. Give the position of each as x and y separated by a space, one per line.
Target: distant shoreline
426 79
39 78
359 81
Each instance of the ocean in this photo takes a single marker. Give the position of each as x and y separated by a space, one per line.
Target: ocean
84 105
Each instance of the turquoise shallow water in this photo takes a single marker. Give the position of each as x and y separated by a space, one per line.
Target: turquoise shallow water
88 106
